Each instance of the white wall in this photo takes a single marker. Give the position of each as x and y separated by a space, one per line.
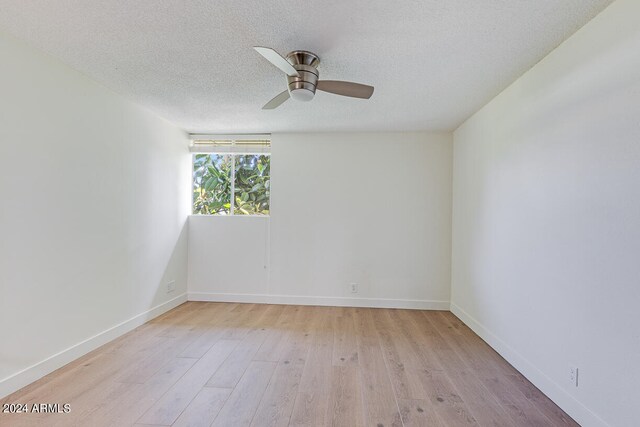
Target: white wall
374 209
228 255
546 221
93 206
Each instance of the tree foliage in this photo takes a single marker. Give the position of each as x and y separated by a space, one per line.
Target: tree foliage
212 184
253 184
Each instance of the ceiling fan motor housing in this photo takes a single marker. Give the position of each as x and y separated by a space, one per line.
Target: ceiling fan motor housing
303 88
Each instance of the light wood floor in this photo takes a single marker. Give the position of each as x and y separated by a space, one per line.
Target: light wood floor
234 365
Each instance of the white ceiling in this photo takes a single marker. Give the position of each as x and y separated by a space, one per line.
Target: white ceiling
433 62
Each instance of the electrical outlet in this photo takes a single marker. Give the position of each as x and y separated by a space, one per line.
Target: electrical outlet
354 288
171 286
573 375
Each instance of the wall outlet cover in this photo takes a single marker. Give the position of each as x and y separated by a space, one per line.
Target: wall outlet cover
573 375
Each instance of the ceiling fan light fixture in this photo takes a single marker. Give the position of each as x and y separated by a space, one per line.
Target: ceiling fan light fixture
301 94
302 78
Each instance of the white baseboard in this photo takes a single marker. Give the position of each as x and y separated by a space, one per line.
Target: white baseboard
550 388
35 372
323 301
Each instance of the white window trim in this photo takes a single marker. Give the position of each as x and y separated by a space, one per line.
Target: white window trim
232 202
229 136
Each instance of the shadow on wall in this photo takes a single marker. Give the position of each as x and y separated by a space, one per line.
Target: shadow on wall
146 296
173 281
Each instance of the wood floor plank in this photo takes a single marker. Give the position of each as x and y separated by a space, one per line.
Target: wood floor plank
169 407
240 407
500 377
294 345
230 372
271 316
204 408
380 403
143 368
125 405
418 413
179 326
445 399
277 402
468 345
542 403
228 364
228 375
400 360
483 405
84 406
75 382
268 351
311 403
345 350
345 408
545 405
176 339
239 326
211 331
475 355
511 378
440 392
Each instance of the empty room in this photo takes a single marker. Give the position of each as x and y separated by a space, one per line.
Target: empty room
320 213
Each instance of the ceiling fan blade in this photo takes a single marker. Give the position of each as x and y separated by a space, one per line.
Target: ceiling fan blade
354 90
276 59
276 101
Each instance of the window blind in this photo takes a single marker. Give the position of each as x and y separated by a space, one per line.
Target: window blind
244 143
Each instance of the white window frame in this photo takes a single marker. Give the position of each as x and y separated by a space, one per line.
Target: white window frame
211 144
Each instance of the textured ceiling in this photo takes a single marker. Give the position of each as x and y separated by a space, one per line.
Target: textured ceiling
433 62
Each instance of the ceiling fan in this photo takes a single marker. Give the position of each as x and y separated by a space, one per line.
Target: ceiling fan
302 78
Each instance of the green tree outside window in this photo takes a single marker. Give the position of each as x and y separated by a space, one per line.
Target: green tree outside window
214 176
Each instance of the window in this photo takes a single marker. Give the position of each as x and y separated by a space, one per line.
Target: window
222 168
